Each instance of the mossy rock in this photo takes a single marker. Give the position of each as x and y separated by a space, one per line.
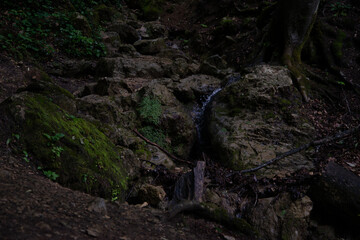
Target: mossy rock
83 157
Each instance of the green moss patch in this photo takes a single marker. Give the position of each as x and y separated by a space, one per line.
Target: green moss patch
83 157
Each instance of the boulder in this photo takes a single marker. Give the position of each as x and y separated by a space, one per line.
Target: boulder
281 218
152 30
216 66
144 67
176 127
151 194
149 47
336 187
101 108
72 148
195 86
127 33
256 118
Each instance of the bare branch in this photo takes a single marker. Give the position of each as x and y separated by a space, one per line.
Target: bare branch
162 149
301 148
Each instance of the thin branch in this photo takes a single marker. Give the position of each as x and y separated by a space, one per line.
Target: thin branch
159 147
301 148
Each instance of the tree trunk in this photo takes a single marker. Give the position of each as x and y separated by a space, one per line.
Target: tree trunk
296 18
288 33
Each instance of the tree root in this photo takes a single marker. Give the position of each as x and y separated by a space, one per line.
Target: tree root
160 148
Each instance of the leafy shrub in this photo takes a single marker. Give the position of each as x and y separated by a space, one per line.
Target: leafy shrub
340 9
150 110
155 135
42 28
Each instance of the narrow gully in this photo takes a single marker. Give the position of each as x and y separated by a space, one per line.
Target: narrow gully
200 116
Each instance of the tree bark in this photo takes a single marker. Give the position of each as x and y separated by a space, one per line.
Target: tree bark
289 30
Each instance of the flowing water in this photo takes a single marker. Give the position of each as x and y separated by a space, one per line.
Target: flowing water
200 109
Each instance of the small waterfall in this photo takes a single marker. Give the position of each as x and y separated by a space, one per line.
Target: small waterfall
200 109
200 112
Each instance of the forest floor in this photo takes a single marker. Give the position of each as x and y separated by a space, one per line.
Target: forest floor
34 207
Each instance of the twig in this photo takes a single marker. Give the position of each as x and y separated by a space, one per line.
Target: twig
162 149
303 147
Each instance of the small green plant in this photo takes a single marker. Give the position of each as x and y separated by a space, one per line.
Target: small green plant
54 138
155 135
225 21
13 137
56 150
150 110
115 194
84 178
204 25
51 175
340 9
26 156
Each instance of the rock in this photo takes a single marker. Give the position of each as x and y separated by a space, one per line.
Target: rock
151 194
105 67
149 47
281 218
127 33
336 187
43 226
104 14
81 23
94 231
100 108
195 86
143 67
73 148
215 66
110 37
98 205
251 122
71 68
127 49
152 30
160 158
176 123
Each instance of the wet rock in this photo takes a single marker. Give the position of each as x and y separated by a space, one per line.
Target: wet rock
151 194
252 120
192 87
149 47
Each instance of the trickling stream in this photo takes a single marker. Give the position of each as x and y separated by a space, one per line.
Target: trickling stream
200 110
